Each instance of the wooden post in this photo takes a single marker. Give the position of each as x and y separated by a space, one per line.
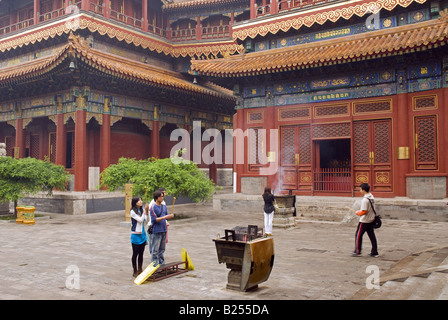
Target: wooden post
127 201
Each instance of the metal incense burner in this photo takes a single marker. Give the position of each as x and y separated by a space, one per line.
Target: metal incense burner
248 254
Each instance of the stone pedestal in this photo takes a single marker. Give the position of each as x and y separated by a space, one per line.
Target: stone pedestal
284 217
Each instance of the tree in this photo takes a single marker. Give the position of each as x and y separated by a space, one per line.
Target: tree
19 177
178 176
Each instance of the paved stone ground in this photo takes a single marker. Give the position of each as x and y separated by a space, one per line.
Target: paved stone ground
312 260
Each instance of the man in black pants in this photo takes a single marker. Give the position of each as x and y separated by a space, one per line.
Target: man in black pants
367 216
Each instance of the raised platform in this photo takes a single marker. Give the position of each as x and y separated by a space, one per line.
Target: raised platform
341 208
78 203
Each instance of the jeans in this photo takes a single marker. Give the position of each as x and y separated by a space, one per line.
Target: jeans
158 242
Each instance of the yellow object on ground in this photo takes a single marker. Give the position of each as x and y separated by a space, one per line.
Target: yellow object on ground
146 273
186 258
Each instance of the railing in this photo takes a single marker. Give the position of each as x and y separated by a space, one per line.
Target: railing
215 32
183 34
52 14
130 21
285 5
333 179
17 26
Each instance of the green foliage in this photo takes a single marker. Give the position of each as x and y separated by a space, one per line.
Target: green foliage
178 176
29 176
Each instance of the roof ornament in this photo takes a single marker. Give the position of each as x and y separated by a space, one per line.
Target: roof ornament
443 14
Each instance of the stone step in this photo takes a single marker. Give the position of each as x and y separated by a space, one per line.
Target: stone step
384 291
444 293
431 288
420 276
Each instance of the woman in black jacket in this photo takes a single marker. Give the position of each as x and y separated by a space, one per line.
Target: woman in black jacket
268 198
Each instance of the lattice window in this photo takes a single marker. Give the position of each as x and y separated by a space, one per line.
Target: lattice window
305 144
255 116
52 150
10 144
255 145
361 143
381 141
288 141
34 146
372 106
426 143
294 113
425 102
325 111
333 130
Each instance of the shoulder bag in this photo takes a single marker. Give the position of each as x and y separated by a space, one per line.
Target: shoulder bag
377 222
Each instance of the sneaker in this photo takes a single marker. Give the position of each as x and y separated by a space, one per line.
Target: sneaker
375 255
356 254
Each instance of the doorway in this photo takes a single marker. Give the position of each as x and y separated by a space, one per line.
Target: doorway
333 165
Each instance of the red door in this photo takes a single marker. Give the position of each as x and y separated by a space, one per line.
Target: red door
295 158
373 154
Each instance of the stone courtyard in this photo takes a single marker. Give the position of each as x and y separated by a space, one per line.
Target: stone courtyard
312 259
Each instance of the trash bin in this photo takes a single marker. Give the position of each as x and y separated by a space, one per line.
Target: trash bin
28 215
248 254
19 210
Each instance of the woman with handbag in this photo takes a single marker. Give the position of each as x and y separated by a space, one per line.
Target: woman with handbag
269 199
138 235
366 222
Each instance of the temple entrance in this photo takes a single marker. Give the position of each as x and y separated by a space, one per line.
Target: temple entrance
332 170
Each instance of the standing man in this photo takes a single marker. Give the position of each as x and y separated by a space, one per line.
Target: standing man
367 216
163 191
159 215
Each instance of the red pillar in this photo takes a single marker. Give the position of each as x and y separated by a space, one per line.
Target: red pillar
155 152
85 5
36 11
252 9
238 147
106 12
61 140
145 15
19 150
402 123
198 28
81 176
105 142
274 7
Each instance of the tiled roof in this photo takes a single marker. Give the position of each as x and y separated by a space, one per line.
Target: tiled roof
185 4
344 49
118 66
332 10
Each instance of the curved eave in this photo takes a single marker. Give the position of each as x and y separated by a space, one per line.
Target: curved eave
375 44
104 27
115 66
310 16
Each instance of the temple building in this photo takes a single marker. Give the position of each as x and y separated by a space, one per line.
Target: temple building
356 90
328 93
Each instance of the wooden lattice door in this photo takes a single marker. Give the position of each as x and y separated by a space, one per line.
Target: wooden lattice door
295 158
52 147
373 154
425 140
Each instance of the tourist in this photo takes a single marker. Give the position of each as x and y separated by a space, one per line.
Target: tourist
138 235
268 198
367 216
163 191
159 215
